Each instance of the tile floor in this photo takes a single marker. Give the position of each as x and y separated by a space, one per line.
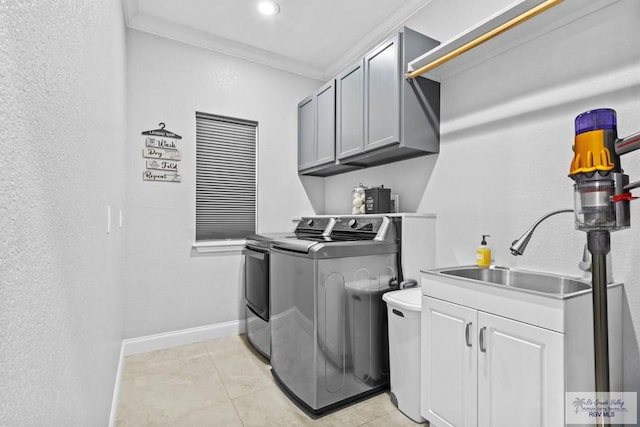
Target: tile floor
224 382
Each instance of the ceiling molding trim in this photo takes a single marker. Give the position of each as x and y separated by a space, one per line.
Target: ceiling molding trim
162 28
384 30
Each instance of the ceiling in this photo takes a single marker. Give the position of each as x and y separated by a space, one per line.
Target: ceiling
315 38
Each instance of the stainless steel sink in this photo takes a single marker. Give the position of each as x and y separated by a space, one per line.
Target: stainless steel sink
519 279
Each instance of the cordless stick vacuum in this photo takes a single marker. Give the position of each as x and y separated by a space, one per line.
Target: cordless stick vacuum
601 206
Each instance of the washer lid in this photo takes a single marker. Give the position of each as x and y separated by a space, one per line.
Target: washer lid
407 299
265 239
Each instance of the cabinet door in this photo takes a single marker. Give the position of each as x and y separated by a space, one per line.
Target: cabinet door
306 133
520 374
350 111
449 364
325 124
383 78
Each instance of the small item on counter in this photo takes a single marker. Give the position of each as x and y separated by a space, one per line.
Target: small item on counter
395 203
484 253
358 197
378 200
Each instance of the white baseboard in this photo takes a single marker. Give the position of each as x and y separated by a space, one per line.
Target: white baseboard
113 416
169 340
182 337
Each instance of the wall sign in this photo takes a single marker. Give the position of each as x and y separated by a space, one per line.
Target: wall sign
162 165
161 153
161 143
151 175
161 146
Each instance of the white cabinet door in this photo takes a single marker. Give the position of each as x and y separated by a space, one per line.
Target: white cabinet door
449 364
520 374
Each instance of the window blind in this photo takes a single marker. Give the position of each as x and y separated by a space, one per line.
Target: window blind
225 177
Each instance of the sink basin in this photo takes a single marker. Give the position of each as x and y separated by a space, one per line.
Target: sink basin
519 279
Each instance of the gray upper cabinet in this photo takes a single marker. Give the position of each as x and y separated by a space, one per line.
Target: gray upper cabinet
380 116
382 95
350 111
325 125
306 133
316 129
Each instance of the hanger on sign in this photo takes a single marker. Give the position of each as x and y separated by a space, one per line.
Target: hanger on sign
162 132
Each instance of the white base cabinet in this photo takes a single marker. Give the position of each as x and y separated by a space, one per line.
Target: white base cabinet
449 367
486 363
485 370
520 374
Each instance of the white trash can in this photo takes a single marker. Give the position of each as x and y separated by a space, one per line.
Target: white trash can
403 308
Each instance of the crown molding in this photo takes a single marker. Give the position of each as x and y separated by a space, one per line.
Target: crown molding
137 20
181 33
382 31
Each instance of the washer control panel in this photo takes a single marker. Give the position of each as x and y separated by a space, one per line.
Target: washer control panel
357 224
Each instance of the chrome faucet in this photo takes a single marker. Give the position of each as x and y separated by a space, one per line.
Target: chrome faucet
519 245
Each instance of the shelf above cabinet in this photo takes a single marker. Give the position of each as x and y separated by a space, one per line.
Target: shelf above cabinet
547 21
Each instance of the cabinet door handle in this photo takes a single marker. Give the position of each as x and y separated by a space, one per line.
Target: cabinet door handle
481 339
467 337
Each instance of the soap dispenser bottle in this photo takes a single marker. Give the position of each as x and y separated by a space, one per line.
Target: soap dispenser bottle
484 253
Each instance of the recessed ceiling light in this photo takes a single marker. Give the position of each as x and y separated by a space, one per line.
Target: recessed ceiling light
269 7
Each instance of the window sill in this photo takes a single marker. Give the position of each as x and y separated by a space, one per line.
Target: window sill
217 246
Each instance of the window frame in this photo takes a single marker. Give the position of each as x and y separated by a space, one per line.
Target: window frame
229 243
